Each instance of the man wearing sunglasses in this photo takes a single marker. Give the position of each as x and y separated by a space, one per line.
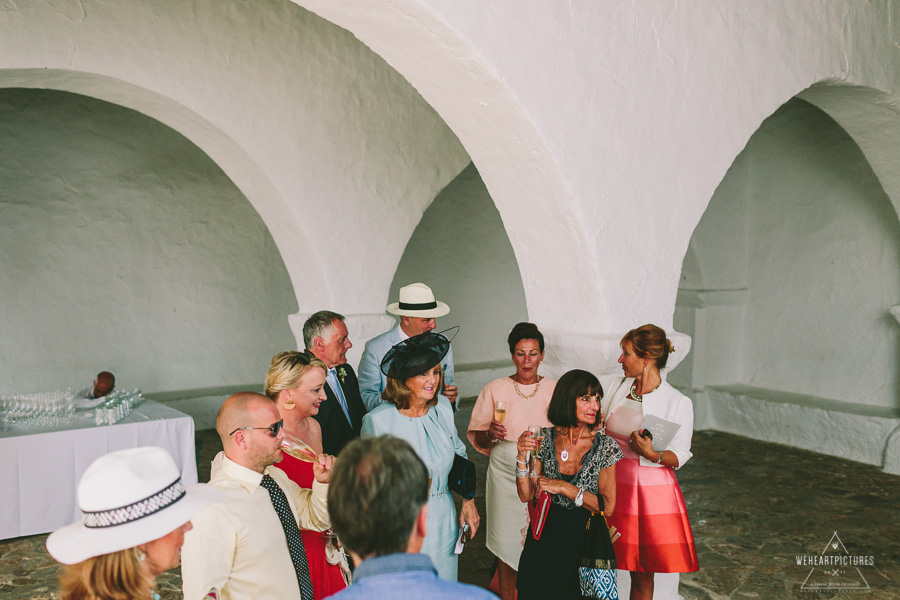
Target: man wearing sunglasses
248 545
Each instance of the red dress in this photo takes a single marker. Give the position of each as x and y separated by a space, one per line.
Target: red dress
326 578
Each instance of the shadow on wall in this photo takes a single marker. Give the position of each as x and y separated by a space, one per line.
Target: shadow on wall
787 288
124 247
461 250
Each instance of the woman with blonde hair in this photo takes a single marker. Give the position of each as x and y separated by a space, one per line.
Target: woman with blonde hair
650 510
296 383
136 512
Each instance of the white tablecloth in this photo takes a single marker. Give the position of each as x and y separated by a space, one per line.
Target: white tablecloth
40 468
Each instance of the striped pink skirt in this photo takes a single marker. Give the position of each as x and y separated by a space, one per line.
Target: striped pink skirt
651 515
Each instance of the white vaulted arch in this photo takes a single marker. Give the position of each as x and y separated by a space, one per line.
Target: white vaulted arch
534 198
234 160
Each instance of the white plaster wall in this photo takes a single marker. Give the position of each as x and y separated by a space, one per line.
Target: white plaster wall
461 250
124 247
823 265
804 243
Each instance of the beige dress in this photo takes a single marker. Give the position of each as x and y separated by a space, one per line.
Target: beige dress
507 517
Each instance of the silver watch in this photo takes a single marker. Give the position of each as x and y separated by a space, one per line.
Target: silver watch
579 497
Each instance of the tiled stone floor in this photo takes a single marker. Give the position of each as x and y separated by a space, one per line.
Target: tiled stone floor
754 508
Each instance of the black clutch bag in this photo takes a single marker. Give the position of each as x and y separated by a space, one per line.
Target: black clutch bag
462 477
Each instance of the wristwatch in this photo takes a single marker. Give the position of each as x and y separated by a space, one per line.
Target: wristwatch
579 497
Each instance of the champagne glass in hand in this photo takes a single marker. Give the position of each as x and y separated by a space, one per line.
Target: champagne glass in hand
499 413
298 449
531 458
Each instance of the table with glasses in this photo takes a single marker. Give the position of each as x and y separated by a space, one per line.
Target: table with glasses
40 466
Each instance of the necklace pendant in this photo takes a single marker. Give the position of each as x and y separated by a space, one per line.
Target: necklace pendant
564 455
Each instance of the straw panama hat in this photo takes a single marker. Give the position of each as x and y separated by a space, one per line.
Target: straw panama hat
128 498
417 300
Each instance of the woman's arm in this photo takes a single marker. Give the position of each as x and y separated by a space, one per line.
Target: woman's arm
606 486
644 447
496 431
468 513
524 485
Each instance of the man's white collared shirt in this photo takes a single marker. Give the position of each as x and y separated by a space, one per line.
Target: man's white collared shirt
238 546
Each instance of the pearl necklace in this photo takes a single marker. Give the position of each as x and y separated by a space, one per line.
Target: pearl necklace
633 393
537 386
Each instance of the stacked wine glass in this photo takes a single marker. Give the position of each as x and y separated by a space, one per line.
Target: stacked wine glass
116 406
42 409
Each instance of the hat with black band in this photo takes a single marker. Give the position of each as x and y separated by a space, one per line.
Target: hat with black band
417 300
128 498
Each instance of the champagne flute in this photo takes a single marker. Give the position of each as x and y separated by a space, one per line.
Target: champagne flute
298 448
535 472
499 412
531 457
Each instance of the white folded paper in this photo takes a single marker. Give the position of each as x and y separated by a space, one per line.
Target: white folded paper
663 431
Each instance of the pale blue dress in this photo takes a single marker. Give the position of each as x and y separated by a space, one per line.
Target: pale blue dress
436 441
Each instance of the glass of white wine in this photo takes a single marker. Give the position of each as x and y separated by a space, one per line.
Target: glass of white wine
298 449
531 458
499 412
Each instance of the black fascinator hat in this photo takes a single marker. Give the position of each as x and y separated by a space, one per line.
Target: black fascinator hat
413 356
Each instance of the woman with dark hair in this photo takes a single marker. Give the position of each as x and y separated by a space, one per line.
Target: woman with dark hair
651 513
524 397
579 473
414 411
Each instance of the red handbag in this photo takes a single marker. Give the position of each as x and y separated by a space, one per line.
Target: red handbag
537 511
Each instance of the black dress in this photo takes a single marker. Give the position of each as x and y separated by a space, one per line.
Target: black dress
548 568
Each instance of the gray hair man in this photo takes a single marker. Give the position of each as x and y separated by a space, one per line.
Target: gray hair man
325 336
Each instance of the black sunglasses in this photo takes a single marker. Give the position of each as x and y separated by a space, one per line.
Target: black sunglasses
273 430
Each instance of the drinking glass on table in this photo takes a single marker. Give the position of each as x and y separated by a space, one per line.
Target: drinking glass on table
531 457
499 412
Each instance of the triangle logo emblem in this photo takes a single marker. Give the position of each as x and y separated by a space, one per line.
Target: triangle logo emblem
833 572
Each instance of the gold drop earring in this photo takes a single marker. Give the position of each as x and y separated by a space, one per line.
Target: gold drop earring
289 403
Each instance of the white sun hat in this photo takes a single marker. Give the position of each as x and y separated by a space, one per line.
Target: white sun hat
417 300
128 498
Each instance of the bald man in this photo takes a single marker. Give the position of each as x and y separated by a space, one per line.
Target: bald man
102 386
248 544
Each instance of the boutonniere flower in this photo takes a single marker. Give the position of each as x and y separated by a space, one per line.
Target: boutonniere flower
342 373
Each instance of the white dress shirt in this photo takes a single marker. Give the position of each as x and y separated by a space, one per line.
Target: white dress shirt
237 546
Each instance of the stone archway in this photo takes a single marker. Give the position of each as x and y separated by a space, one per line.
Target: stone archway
793 271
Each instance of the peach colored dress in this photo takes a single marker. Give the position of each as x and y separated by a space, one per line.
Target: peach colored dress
507 517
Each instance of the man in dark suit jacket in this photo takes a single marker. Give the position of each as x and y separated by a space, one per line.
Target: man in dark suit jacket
325 336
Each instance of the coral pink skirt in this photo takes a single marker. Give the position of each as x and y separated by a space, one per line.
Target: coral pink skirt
651 516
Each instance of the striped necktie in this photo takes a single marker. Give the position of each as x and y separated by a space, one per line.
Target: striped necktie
292 534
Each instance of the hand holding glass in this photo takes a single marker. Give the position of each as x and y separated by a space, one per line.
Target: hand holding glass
499 414
531 458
